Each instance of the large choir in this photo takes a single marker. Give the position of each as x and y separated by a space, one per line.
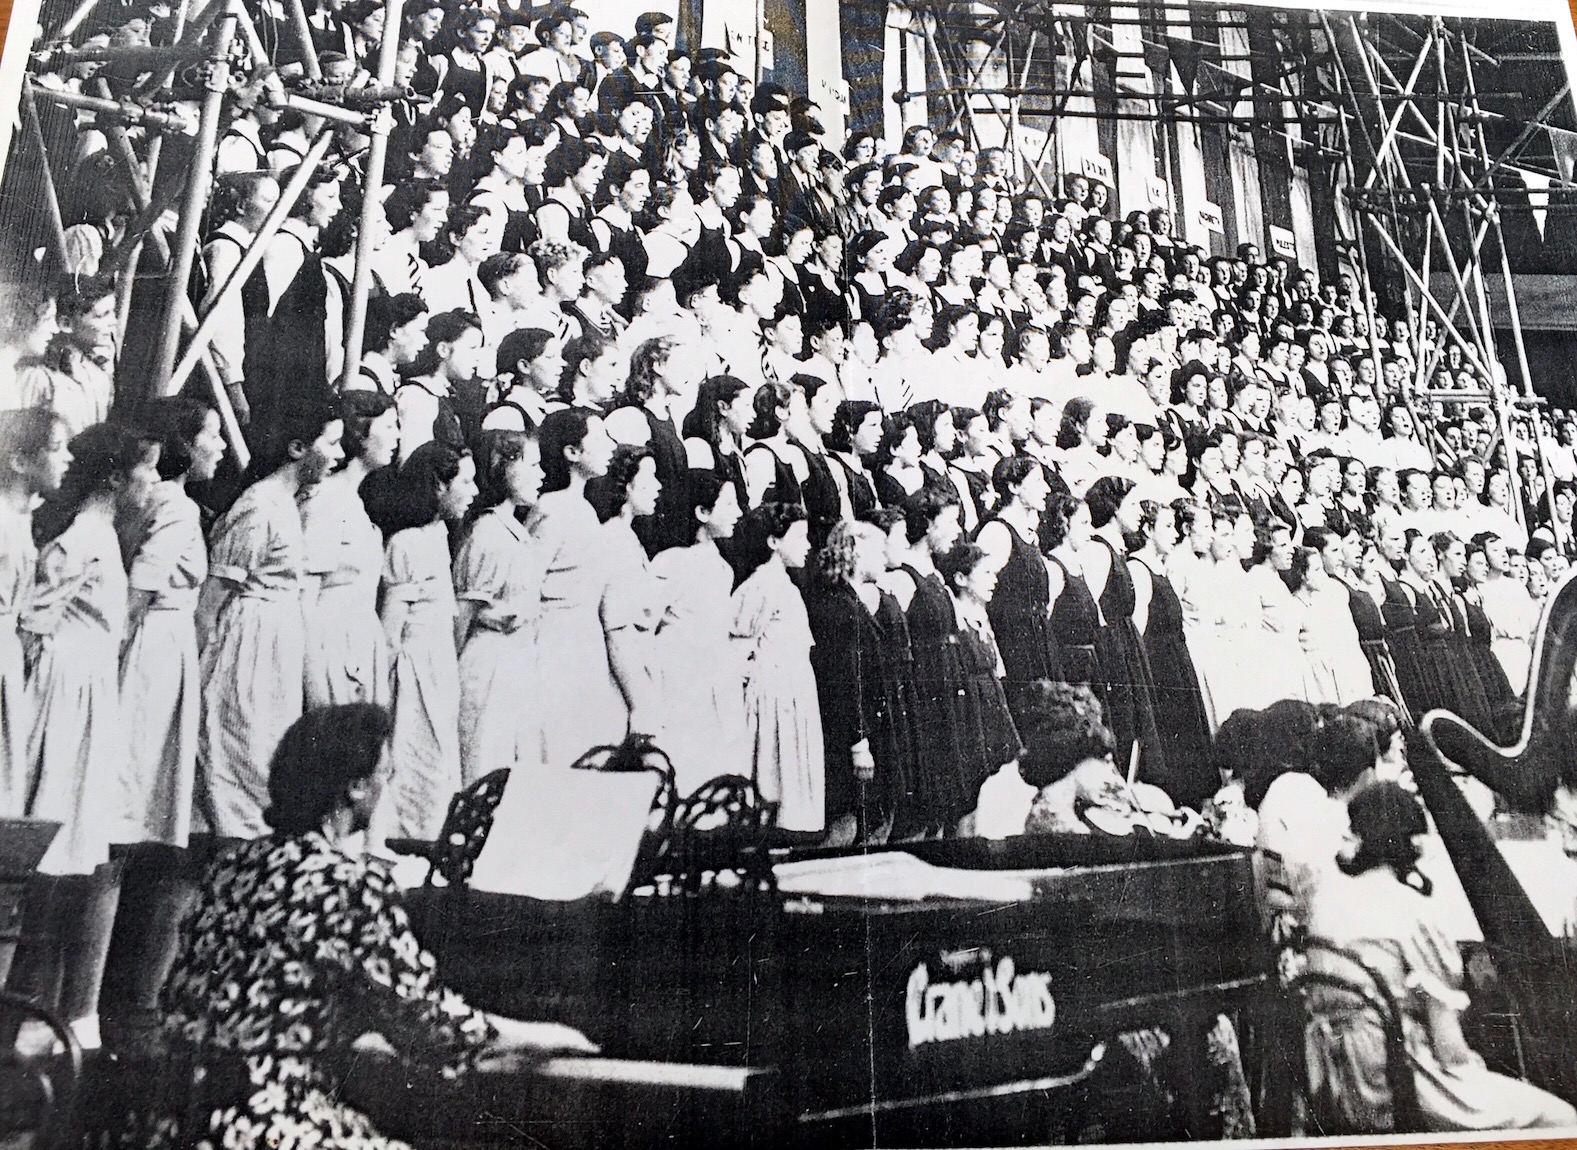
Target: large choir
811 458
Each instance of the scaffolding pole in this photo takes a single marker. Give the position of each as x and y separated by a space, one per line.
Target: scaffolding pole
199 181
372 199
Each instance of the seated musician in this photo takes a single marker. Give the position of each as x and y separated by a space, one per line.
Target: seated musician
1380 910
1303 816
299 951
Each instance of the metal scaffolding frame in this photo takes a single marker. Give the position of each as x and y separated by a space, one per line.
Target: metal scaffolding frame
219 39
1420 179
1391 102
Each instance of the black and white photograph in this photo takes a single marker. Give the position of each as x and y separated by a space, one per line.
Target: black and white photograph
651 574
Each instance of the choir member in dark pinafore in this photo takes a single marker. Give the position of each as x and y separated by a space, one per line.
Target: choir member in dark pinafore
1125 665
944 784
987 732
867 737
1021 600
1190 775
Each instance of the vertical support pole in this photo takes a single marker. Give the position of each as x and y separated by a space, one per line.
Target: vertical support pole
371 199
1492 211
35 132
761 28
197 186
309 48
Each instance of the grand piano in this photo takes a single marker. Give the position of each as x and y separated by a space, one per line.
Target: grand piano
1048 988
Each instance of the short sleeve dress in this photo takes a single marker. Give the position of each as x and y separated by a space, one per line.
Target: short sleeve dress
425 744
499 567
74 621
782 716
252 664
348 655
159 675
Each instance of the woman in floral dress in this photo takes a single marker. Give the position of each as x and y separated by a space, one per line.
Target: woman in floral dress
298 948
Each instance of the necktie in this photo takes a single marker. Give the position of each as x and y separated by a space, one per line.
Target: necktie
414 267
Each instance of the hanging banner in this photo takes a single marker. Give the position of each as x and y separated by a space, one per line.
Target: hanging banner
1538 196
1098 167
1210 217
1160 194
1283 242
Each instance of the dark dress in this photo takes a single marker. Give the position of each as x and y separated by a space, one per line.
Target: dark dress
670 526
889 491
1125 672
990 736
895 786
1190 775
852 685
1370 622
1472 698
1503 709
820 495
944 785
295 950
785 486
1401 627
1440 684
1075 624
1017 612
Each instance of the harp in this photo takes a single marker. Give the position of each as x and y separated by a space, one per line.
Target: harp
1533 962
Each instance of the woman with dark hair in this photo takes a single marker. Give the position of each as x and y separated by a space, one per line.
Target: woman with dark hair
1127 683
895 464
782 719
159 672
1181 717
987 733
856 432
971 466
1083 430
1067 758
33 459
530 364
250 625
1335 667
159 694
315 931
865 727
698 673
1431 622
435 488
1274 615
1384 917
1073 619
1301 803
661 374
775 466
289 307
586 692
241 202
347 659
498 592
1021 600
946 777
714 432
72 624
